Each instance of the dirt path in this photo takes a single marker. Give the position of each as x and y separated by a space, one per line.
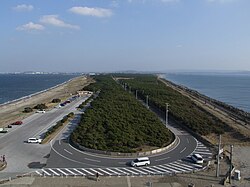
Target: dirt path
13 111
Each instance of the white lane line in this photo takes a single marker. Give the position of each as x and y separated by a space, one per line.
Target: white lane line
183 150
162 159
122 163
130 171
54 172
44 171
70 171
104 171
185 165
151 170
180 166
92 160
87 171
168 169
158 168
62 171
59 142
138 170
120 171
78 171
38 173
67 151
171 165
204 153
112 171
95 171
187 140
128 181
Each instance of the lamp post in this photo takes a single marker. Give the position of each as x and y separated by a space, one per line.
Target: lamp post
167 105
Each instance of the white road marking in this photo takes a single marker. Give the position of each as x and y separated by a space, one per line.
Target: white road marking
128 181
70 171
54 172
171 165
44 171
104 171
162 159
130 171
120 171
87 171
183 150
68 151
96 171
138 170
38 173
156 167
62 171
59 142
113 171
92 160
78 171
149 169
187 140
204 153
180 166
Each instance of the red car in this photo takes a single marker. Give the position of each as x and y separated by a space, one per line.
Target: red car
17 123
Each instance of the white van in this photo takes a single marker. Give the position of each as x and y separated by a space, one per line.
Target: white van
197 158
34 140
143 161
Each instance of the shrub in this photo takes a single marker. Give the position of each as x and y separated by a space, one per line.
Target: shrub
56 100
40 106
27 110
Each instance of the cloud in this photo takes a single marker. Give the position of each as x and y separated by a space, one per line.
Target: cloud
23 8
170 1
30 27
55 21
163 1
86 11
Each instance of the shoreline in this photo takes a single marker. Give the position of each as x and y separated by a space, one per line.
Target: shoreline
36 93
13 111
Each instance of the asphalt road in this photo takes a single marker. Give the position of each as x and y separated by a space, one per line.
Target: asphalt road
23 157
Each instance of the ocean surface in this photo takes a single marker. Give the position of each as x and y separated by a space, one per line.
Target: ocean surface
15 86
230 88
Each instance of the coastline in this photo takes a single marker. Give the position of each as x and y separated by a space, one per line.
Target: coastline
238 122
13 111
36 93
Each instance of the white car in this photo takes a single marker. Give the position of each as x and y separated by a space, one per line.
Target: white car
143 161
34 140
40 111
197 158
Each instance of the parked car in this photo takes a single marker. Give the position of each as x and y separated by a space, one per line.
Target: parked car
34 140
197 158
3 130
17 123
143 161
40 111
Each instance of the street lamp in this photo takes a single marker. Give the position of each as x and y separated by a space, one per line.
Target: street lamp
167 105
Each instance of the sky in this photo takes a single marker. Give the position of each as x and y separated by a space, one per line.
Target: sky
120 35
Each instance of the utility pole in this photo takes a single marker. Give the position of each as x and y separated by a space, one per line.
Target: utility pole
231 163
147 101
136 94
218 159
167 105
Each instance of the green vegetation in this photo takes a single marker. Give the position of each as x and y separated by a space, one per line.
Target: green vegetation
56 100
41 106
27 110
118 122
181 107
83 104
58 124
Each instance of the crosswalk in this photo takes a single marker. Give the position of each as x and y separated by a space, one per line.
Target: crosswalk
165 169
203 151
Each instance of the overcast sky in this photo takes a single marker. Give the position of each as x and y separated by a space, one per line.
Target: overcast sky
111 35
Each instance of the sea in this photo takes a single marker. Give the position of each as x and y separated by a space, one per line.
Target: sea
231 88
15 86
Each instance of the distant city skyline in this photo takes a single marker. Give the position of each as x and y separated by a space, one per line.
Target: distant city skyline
120 35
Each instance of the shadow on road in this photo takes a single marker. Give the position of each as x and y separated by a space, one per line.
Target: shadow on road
36 165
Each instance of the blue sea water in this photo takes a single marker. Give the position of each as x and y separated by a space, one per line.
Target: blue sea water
233 89
14 86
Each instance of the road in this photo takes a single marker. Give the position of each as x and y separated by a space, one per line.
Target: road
60 158
23 157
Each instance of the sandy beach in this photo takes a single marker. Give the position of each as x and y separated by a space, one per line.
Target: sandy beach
14 111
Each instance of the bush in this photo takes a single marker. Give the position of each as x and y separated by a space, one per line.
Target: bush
56 100
27 110
40 106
